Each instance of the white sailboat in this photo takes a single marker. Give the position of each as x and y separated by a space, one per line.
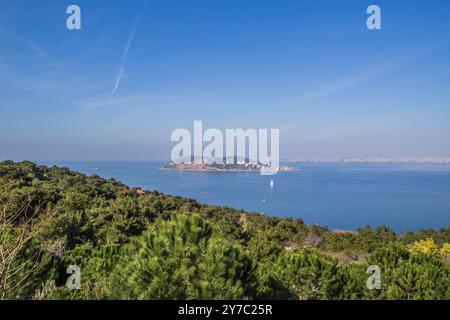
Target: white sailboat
272 184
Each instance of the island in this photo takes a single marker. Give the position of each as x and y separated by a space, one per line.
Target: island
225 167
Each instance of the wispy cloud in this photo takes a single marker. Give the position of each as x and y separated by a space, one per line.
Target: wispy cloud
375 70
22 42
27 68
133 101
125 52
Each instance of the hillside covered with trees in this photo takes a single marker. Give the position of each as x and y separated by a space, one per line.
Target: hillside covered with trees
137 244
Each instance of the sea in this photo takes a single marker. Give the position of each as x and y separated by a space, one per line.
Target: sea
344 196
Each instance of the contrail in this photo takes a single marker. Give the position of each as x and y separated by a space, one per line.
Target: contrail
121 70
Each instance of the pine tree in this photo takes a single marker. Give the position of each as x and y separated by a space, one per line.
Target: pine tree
422 277
306 274
182 259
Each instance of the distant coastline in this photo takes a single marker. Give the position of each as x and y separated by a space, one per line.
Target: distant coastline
377 159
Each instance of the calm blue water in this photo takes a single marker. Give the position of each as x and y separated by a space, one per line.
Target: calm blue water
341 196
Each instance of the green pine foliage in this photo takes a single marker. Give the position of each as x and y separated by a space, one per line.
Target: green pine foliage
182 259
304 275
156 246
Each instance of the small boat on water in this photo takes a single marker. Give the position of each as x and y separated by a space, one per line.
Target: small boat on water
271 184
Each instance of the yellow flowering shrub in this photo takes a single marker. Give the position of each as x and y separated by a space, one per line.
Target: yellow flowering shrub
429 246
445 250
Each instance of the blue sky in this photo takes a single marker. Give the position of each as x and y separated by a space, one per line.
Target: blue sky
137 70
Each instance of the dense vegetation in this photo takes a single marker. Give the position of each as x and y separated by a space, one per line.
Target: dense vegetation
131 244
